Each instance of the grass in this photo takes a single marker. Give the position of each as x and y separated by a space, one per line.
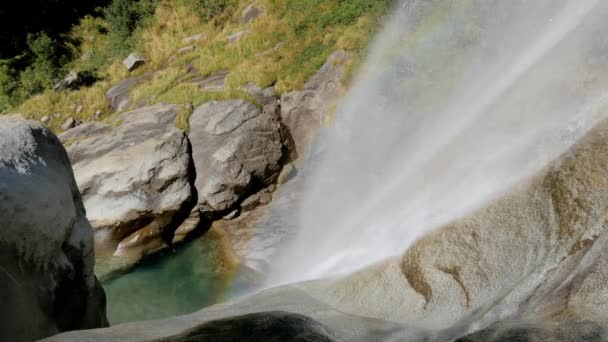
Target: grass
284 47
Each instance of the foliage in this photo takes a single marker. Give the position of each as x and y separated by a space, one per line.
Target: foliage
46 67
123 17
283 47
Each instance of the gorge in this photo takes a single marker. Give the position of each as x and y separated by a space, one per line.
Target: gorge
454 189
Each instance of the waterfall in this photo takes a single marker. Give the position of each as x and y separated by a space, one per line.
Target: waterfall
457 102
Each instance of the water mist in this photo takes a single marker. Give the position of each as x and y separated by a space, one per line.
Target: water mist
457 102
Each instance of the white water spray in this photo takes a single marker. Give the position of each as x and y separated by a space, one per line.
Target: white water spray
458 102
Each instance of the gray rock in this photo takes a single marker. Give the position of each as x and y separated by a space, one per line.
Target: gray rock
212 82
234 146
260 198
47 284
134 61
287 173
118 95
79 109
74 80
251 13
303 112
235 37
45 119
135 180
266 96
186 49
68 124
193 38
232 215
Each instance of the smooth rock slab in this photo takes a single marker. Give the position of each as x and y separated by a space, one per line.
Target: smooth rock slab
118 95
135 180
47 284
235 147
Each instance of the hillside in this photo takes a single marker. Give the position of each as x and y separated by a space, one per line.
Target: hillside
267 42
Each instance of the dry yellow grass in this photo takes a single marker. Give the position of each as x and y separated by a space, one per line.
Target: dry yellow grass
284 47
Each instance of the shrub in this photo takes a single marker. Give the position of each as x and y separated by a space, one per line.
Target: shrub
46 65
123 17
211 9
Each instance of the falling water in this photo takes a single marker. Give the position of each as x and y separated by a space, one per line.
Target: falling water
457 102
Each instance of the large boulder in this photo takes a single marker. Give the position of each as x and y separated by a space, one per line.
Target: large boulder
235 148
304 112
135 180
47 283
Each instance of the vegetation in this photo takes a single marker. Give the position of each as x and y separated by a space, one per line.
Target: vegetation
284 47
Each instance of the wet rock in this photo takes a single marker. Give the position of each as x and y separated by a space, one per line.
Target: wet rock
234 147
134 61
47 284
135 180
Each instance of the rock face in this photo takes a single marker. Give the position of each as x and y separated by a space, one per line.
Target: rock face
235 148
133 61
118 95
135 180
47 284
303 112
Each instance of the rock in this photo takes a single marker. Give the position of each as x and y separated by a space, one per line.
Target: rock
68 123
118 95
47 284
287 173
135 180
193 38
45 119
134 61
187 227
212 82
565 331
79 109
303 112
264 97
235 37
282 314
97 115
260 198
539 252
74 80
232 215
186 49
251 13
234 146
